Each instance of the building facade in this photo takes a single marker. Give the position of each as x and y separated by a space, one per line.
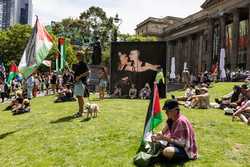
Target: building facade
15 11
155 26
199 38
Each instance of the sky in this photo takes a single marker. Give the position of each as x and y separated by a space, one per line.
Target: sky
132 12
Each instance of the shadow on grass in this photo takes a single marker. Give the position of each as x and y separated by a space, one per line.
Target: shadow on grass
171 164
86 120
64 119
2 136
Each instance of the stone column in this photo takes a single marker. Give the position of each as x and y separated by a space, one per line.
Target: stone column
222 32
248 45
210 43
200 53
189 51
178 56
235 47
168 56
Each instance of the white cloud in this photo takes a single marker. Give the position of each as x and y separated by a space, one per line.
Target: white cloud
132 12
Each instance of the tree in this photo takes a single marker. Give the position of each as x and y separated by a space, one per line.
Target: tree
98 24
13 42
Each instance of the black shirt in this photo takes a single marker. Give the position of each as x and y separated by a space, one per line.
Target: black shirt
53 79
79 69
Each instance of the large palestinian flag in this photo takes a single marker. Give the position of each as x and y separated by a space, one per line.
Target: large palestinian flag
154 117
36 50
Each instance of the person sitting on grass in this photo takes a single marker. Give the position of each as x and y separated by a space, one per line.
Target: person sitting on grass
65 95
178 133
231 99
145 92
16 102
190 91
117 92
24 108
201 101
132 92
243 112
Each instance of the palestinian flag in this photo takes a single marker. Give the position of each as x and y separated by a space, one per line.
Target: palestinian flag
12 73
61 47
154 117
36 50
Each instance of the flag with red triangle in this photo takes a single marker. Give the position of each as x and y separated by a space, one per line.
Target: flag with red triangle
36 50
154 116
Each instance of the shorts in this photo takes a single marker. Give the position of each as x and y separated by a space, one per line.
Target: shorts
79 89
180 154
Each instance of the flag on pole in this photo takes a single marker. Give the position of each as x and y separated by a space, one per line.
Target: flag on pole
12 73
154 116
61 47
36 50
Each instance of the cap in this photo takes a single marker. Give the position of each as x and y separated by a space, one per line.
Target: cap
170 104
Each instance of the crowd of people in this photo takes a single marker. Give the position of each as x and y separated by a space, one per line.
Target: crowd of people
133 93
236 103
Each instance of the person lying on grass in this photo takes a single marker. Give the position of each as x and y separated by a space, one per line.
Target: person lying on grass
24 108
16 103
178 133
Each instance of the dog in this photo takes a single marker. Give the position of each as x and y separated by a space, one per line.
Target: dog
92 110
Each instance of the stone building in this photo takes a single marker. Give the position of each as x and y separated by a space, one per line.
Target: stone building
199 38
155 26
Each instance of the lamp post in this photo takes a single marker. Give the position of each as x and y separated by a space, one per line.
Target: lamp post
117 22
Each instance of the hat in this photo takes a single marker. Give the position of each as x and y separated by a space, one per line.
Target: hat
170 104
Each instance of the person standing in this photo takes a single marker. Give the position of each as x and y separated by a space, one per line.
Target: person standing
53 82
2 90
81 73
30 85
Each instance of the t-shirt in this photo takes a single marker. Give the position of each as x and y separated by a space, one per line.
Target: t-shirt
53 79
79 69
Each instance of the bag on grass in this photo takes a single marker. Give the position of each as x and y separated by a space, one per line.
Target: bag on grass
228 111
146 157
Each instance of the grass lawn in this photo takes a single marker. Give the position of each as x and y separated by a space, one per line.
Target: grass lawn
48 136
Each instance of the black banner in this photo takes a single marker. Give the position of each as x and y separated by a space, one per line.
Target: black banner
137 63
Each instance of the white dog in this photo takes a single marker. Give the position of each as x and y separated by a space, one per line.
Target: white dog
92 110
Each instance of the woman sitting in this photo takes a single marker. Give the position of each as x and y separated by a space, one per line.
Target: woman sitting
15 103
201 101
24 108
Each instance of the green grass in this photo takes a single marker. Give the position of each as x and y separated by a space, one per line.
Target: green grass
49 137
